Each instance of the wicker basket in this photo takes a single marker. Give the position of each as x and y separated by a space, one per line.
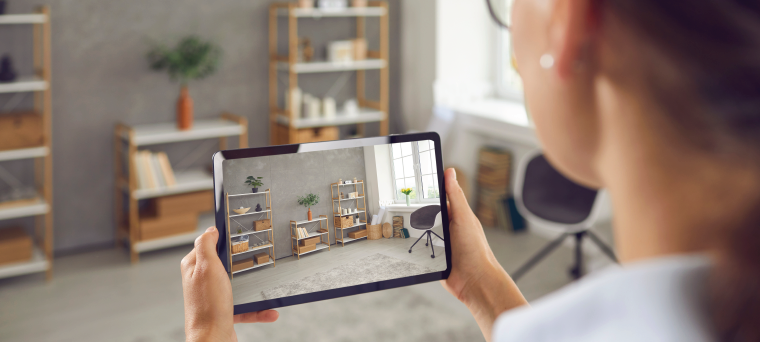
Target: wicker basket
239 247
374 231
344 221
261 225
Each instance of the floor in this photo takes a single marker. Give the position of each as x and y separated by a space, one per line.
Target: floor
247 286
100 296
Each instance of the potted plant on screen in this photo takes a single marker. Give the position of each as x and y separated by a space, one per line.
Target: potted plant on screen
192 58
308 201
407 192
254 182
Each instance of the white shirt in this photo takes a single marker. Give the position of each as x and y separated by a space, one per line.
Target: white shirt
656 300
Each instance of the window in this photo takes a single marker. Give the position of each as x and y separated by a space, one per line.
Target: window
508 83
414 166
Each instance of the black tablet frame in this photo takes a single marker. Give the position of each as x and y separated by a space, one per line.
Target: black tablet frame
222 246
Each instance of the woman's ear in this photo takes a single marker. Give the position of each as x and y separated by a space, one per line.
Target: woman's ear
571 32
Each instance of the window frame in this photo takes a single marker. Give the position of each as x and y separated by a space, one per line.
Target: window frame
417 174
503 63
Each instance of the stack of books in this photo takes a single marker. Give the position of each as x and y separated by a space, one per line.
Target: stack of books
153 170
493 184
302 233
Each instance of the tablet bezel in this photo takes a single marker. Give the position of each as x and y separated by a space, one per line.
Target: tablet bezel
221 156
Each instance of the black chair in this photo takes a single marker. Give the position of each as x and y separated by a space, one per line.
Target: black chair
547 198
424 219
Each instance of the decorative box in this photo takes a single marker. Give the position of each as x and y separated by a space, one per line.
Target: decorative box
344 221
241 264
261 225
304 249
15 245
310 241
261 258
358 234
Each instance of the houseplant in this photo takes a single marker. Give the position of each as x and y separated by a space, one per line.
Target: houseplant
407 192
254 182
308 201
192 58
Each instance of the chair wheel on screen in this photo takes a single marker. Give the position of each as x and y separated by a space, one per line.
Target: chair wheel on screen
426 245
410 251
432 256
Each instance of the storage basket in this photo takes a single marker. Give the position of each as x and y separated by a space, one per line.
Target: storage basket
241 245
374 232
344 221
261 225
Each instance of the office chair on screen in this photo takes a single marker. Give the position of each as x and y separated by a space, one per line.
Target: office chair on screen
425 219
545 197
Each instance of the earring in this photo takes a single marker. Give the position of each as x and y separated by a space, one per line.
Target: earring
546 61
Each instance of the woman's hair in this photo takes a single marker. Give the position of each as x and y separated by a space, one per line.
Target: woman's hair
712 52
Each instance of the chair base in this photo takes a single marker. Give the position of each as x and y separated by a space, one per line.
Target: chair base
577 270
428 241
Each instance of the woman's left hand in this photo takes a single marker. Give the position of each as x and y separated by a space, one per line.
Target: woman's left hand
208 295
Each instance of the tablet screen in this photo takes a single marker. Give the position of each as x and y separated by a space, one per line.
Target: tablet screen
315 221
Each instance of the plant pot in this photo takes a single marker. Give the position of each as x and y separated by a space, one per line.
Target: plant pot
407 200
254 190
309 214
184 110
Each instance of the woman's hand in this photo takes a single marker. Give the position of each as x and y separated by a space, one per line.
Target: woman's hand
208 295
477 279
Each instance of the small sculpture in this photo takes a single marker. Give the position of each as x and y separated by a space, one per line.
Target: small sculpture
258 207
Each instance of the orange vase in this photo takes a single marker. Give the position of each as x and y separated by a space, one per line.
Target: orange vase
184 110
309 214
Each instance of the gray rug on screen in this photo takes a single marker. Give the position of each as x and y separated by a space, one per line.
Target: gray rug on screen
376 267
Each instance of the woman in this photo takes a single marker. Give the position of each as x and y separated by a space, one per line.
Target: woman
656 101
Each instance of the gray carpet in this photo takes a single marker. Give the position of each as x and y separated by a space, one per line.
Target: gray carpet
373 268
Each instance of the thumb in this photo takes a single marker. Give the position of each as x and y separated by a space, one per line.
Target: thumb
205 245
457 201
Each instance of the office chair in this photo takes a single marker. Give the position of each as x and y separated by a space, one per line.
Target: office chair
547 198
424 219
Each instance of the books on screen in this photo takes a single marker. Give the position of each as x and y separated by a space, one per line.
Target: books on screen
153 170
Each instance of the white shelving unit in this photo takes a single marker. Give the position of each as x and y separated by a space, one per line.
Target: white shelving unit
338 200
351 213
127 141
41 206
269 247
295 245
365 115
316 67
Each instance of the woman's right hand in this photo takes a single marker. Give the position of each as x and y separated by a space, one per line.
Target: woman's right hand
477 279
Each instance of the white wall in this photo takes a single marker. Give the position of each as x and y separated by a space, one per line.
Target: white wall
418 61
377 162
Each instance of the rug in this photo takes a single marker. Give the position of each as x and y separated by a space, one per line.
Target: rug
373 268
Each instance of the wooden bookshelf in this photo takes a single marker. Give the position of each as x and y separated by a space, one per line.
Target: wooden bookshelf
127 141
324 237
337 202
285 128
232 232
41 206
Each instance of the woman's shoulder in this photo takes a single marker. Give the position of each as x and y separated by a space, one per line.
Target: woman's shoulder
655 300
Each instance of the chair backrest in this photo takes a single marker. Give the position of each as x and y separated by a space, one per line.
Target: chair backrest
424 218
546 197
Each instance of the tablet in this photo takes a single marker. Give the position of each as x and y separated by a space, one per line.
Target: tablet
308 222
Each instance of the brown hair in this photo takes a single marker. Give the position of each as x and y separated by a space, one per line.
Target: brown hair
715 49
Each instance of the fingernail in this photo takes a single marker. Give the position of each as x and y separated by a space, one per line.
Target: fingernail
210 229
454 171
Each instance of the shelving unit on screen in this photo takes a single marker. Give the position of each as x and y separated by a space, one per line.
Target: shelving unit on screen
32 141
285 127
235 229
338 203
301 244
139 233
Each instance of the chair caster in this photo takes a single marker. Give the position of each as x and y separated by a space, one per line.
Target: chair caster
426 245
432 256
410 251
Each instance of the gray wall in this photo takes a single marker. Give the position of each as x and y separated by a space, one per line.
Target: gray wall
289 176
100 77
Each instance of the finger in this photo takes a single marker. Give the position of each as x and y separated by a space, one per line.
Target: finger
205 245
455 195
188 264
266 316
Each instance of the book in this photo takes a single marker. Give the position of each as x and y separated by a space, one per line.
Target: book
155 167
145 164
166 169
142 181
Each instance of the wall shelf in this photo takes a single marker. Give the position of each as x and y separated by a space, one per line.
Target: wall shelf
320 246
327 66
127 139
42 206
365 115
270 232
24 84
24 153
317 13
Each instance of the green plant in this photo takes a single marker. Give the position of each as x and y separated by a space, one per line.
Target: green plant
406 191
192 58
308 200
254 182
240 231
